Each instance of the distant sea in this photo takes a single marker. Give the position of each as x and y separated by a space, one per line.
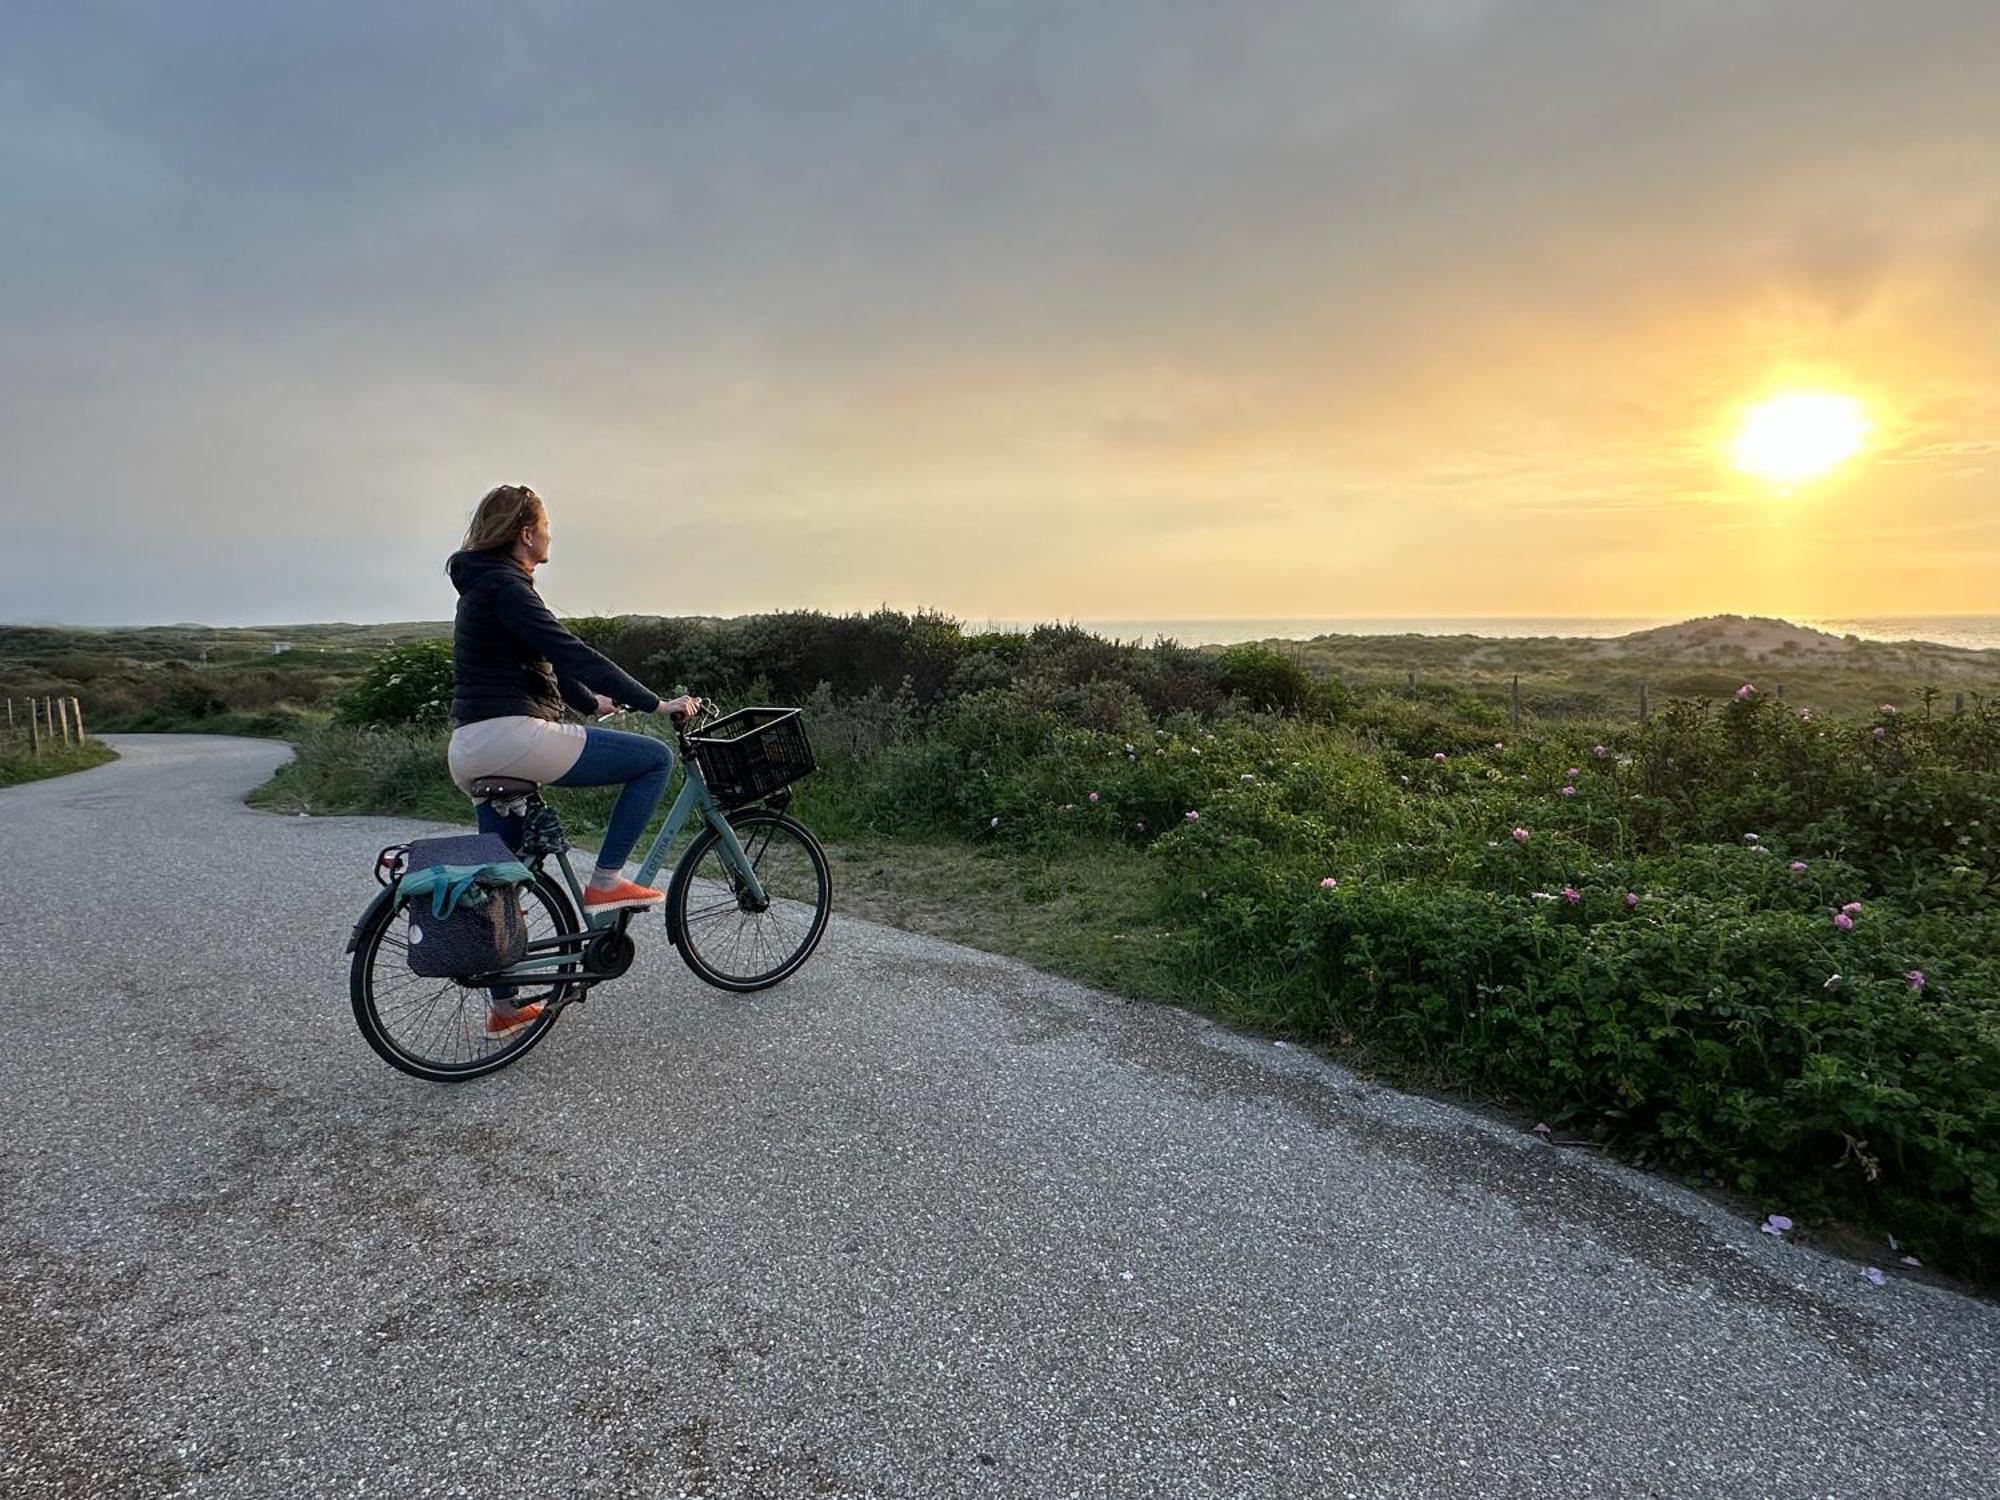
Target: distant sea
1978 631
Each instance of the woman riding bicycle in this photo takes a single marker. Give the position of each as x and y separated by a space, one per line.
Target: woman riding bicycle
517 666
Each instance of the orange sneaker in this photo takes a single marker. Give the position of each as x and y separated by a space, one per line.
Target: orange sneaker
503 1021
625 893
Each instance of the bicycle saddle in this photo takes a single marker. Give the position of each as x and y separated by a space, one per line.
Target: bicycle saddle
504 787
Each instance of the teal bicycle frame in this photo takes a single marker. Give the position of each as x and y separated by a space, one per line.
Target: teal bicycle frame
694 799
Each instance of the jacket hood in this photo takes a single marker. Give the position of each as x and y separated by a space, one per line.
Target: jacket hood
469 568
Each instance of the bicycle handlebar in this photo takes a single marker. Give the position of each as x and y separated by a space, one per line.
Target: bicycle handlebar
704 709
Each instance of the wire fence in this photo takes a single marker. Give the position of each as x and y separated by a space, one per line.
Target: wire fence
41 724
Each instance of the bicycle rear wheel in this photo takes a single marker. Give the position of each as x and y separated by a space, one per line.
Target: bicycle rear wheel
731 942
436 1028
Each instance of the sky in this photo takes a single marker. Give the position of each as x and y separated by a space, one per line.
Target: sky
1016 311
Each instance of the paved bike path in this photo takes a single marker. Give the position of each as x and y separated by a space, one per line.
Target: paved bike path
920 1222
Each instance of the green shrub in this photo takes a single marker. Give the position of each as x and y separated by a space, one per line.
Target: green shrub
186 693
410 685
1700 1029
1265 680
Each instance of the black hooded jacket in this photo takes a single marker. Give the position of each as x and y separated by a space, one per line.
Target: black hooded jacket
504 644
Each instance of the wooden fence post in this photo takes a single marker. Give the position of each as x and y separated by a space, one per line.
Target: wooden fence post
1645 709
62 713
1958 704
10 710
76 707
1781 692
1413 682
34 736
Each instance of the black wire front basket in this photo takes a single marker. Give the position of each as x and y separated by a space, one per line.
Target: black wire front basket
749 754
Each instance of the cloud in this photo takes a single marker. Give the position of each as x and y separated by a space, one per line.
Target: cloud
953 296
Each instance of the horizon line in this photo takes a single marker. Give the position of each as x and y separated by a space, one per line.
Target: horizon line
1671 616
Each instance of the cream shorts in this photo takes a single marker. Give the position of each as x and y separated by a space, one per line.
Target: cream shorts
515 745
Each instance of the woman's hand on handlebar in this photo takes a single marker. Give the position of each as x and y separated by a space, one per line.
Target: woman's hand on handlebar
681 709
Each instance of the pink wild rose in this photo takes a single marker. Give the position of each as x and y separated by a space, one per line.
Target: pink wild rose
1843 921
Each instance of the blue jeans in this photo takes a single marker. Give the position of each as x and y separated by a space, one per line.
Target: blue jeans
644 764
609 756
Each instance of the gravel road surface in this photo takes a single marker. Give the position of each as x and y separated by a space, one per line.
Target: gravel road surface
920 1222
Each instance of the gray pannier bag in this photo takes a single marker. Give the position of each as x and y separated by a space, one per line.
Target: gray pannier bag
464 907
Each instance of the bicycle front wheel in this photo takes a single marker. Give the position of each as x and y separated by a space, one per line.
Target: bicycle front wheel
436 1028
731 941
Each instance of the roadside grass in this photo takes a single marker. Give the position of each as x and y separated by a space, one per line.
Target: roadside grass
18 766
1087 916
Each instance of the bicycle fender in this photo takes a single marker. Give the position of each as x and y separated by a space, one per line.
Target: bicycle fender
681 873
382 898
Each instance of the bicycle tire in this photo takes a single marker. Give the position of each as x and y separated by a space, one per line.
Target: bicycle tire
386 1038
690 926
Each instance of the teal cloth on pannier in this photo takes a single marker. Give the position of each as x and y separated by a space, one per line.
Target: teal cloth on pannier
461 895
447 885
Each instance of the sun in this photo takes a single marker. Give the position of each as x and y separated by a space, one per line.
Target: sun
1799 435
